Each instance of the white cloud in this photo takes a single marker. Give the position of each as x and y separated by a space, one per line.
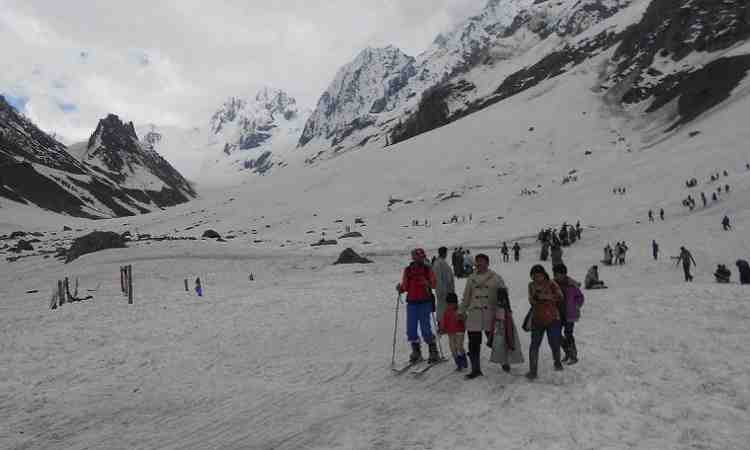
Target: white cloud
173 62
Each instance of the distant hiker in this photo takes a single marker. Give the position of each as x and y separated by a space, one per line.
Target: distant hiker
418 282
478 307
650 215
704 199
608 255
714 197
726 174
545 251
725 223
457 259
661 213
687 258
722 274
726 188
655 250
556 254
544 297
592 280
621 250
198 287
516 252
579 230
570 311
455 328
506 345
744 269
505 252
468 263
445 283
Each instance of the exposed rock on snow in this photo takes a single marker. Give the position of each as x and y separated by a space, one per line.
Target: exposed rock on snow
349 256
94 242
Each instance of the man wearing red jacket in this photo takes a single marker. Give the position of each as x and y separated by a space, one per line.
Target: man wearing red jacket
418 282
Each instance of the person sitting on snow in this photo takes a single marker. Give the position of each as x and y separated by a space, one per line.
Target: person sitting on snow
592 280
722 274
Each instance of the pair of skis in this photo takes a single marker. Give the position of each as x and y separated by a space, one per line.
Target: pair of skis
416 368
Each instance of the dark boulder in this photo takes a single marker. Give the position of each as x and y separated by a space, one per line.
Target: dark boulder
94 242
17 234
323 242
24 246
353 234
67 228
211 234
349 256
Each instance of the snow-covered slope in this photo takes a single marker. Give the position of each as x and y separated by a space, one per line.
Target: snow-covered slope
300 356
110 176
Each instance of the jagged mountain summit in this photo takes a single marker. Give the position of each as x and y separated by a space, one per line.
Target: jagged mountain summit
110 176
361 90
252 134
653 51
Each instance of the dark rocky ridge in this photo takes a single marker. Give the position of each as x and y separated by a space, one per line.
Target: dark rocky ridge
25 151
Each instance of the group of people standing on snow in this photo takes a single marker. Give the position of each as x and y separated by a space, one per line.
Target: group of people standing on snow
505 252
463 264
484 313
616 254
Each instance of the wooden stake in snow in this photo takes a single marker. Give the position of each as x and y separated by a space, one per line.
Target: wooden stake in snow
130 284
53 300
60 292
186 286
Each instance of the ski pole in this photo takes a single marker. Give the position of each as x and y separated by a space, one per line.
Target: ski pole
437 336
395 331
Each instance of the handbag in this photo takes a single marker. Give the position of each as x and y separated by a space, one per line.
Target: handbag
526 326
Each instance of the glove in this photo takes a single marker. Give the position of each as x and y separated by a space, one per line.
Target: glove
398 287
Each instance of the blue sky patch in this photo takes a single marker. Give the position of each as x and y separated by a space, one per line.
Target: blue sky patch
67 107
17 101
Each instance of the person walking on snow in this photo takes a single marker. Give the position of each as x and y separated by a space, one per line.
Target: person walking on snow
418 282
556 254
445 282
468 264
478 307
661 214
655 250
506 345
570 311
687 258
744 268
516 252
505 252
650 215
455 328
544 297
725 223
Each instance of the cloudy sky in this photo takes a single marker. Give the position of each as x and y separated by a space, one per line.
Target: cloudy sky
68 63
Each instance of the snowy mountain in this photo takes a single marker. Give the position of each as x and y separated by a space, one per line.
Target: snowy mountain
657 51
361 90
114 149
110 176
253 134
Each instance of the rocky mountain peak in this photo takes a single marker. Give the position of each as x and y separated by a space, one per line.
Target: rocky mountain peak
113 133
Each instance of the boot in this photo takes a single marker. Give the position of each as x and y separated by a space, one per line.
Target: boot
463 360
573 355
556 356
533 362
457 360
476 370
434 355
506 368
416 353
565 344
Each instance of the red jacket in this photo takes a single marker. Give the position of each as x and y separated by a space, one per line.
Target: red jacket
418 282
451 322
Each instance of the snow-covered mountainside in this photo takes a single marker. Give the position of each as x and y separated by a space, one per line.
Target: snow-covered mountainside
658 51
114 150
361 90
111 176
253 134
